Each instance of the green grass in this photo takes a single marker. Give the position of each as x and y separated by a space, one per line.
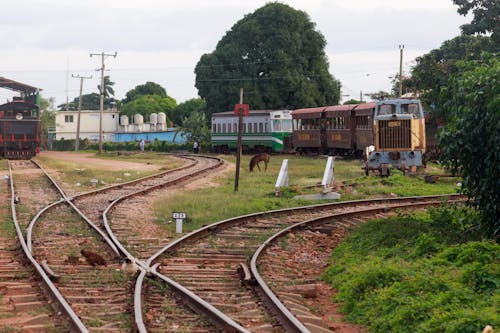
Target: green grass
256 191
418 273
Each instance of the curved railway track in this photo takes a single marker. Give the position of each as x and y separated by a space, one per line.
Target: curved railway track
205 271
211 262
101 295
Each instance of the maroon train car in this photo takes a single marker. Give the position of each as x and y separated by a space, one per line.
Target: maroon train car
336 129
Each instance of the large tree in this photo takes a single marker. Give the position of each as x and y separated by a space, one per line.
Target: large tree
470 142
486 17
276 55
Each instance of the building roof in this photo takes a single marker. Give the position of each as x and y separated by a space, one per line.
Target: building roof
17 86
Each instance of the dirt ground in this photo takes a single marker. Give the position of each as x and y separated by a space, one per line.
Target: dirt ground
91 159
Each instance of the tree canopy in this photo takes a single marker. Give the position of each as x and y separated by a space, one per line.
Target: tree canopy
276 55
185 109
433 70
149 88
486 14
470 142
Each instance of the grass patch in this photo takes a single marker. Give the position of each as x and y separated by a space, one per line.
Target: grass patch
256 191
418 273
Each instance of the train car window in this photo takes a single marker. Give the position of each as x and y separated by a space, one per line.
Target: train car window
412 109
277 125
68 119
387 109
286 124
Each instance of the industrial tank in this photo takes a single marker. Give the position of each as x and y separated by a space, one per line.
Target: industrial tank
153 118
138 119
124 120
162 118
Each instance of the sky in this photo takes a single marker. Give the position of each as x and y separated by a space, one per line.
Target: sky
45 42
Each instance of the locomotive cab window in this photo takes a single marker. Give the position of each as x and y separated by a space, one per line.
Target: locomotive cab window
412 109
387 109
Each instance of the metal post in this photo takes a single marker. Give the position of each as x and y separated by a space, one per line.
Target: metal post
401 47
238 148
103 55
77 140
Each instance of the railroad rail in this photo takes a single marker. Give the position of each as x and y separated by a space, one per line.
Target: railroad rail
66 267
45 282
206 261
200 269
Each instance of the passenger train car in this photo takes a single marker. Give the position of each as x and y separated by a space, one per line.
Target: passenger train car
337 129
263 130
19 129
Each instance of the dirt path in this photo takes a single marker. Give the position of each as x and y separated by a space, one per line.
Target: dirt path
93 160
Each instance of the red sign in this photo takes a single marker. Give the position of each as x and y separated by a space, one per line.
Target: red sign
245 108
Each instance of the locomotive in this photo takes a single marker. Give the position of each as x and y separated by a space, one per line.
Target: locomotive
19 129
20 122
388 133
399 137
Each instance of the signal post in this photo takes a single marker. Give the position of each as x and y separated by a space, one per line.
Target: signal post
240 110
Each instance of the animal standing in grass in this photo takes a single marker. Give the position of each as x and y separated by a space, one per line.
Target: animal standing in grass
262 157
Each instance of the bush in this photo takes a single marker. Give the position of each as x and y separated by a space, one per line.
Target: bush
421 273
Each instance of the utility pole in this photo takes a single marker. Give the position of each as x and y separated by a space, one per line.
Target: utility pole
238 148
77 141
401 47
361 95
103 56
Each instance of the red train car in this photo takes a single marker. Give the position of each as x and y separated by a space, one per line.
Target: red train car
336 129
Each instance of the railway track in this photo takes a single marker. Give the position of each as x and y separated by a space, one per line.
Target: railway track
30 302
100 295
213 262
205 271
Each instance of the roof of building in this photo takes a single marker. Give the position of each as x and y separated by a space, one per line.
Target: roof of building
17 86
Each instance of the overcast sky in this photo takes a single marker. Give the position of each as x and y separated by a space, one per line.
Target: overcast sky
45 41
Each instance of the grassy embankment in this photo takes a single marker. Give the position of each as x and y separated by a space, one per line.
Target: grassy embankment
418 273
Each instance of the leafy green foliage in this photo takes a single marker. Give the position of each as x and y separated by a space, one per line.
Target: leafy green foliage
149 88
422 273
470 142
434 69
89 102
276 56
486 13
185 109
47 119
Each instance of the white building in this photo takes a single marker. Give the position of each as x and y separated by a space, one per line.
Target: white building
66 123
